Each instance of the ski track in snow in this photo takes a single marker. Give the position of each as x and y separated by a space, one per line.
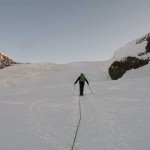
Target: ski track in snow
40 128
108 129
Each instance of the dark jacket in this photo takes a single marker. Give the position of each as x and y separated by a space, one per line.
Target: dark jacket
78 79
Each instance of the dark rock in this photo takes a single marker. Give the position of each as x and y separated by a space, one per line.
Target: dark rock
141 54
148 47
119 68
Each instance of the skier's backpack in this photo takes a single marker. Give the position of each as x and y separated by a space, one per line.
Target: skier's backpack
82 77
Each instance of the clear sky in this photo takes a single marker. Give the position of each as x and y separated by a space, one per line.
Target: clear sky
62 31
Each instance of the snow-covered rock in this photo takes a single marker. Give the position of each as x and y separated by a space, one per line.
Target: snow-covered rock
132 56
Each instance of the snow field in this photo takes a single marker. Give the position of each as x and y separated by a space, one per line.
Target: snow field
38 109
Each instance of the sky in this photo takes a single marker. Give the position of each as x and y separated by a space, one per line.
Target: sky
63 31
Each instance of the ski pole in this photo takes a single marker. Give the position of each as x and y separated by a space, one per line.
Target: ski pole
90 89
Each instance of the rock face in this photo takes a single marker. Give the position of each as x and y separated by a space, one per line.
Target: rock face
5 61
148 45
119 68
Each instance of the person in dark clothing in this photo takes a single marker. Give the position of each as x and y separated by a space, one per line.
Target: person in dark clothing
81 80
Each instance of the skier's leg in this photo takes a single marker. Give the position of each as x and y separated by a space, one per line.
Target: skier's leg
81 88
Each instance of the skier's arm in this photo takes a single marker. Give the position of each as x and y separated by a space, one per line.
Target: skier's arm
86 81
77 80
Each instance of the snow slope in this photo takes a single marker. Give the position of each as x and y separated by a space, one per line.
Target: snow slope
39 112
38 109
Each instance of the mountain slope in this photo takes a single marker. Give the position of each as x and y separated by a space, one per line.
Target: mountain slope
38 109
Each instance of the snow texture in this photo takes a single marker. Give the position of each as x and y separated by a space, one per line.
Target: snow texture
39 112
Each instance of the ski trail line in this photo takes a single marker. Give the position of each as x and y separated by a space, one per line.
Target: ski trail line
74 141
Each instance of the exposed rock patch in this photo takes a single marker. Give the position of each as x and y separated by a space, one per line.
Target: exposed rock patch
119 68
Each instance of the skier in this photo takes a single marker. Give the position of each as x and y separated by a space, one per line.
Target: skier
81 80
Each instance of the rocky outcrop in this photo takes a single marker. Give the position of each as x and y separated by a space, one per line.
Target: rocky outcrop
116 70
119 68
148 45
5 61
